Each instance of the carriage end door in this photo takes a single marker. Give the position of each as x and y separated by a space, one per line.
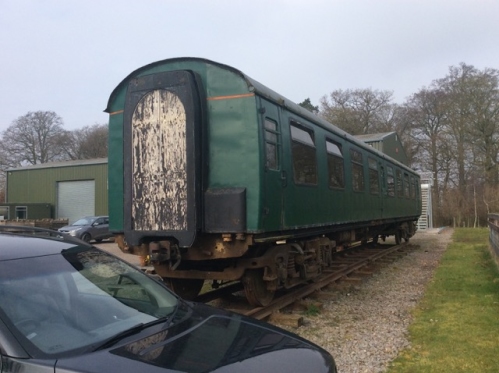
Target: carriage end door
161 156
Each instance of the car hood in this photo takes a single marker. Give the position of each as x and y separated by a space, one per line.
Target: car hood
204 339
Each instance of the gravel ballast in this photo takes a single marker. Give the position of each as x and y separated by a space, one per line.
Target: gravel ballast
365 326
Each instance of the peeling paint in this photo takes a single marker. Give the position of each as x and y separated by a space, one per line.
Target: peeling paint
159 164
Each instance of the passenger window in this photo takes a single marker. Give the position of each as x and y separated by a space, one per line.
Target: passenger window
271 145
304 155
414 187
406 186
373 176
400 190
357 171
335 165
390 181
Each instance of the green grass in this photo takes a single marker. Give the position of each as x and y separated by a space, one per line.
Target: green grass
456 325
312 310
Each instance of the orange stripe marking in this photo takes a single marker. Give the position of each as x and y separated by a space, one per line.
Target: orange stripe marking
229 97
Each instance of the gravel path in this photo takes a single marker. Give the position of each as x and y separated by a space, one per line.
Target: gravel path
365 326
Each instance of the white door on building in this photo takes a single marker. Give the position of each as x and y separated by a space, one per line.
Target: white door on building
75 199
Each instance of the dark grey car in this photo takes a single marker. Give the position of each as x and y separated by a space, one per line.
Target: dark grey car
67 306
89 228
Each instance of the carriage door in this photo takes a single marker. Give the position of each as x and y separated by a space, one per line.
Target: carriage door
383 188
161 152
274 177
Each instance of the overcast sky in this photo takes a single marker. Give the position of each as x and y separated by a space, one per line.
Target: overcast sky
67 56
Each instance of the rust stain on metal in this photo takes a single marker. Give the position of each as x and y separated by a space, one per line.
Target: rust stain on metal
159 177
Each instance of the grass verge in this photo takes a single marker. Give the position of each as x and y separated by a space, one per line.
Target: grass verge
456 325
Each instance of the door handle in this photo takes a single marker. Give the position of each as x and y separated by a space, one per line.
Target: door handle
284 179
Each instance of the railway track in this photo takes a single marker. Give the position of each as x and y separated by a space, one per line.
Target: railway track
347 263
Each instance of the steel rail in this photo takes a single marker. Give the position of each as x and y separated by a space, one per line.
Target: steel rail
323 281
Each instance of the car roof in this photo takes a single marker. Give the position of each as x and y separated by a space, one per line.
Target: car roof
89 217
20 245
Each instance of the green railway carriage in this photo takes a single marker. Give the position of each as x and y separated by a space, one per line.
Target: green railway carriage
219 178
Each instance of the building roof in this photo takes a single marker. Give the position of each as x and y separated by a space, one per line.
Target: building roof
78 162
375 136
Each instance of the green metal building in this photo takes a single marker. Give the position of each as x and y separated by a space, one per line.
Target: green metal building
57 190
388 143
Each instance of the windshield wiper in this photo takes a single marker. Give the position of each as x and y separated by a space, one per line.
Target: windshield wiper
118 337
136 329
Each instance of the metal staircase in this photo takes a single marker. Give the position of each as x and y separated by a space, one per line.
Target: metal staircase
425 221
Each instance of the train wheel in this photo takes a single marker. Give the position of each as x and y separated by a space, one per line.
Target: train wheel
186 288
255 288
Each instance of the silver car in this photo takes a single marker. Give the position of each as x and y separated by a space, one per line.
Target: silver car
89 228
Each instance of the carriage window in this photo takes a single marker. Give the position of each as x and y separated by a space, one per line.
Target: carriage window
304 157
357 171
271 145
373 176
390 181
406 186
414 187
335 165
400 190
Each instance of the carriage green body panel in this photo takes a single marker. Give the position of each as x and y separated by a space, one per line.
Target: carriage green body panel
233 136
325 205
230 136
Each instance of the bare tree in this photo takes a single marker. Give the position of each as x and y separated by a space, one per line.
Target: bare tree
427 115
484 122
87 143
457 86
3 168
359 111
33 138
455 123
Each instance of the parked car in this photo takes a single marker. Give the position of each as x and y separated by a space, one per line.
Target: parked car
67 306
89 228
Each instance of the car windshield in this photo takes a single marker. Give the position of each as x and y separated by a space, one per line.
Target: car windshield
78 299
84 221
